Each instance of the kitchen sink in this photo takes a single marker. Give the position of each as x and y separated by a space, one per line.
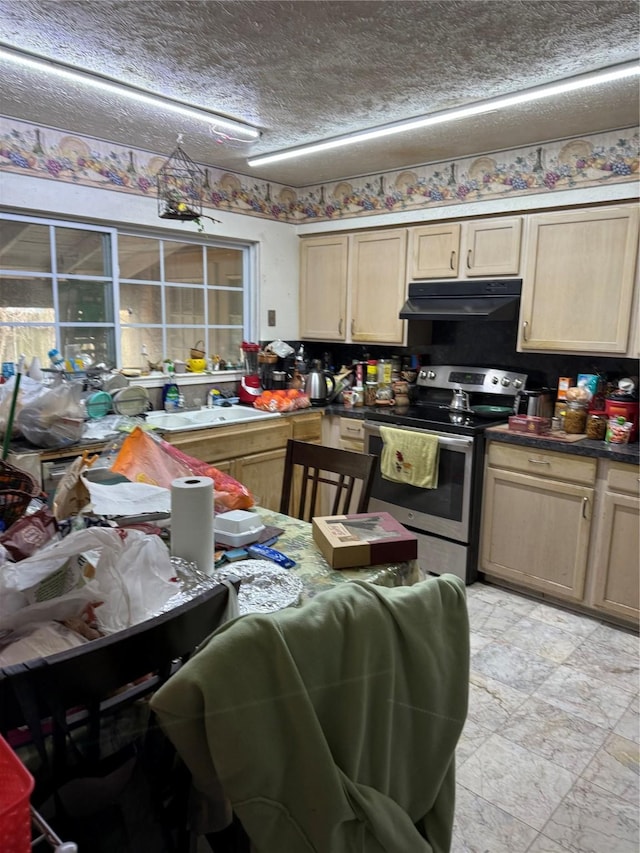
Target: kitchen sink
205 418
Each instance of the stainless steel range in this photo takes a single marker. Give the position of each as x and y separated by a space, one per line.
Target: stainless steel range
457 404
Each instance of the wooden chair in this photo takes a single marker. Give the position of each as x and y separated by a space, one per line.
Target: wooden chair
75 704
307 466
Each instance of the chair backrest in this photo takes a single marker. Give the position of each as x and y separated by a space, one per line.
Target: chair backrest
345 475
90 678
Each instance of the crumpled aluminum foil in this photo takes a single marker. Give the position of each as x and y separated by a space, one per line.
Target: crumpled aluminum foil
264 586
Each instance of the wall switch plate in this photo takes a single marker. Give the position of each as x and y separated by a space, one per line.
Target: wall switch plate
271 317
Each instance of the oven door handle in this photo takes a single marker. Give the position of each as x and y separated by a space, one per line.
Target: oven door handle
443 440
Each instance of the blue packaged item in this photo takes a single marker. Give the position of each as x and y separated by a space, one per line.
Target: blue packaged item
262 552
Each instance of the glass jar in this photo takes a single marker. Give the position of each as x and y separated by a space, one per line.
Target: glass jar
384 371
575 417
618 430
370 390
596 426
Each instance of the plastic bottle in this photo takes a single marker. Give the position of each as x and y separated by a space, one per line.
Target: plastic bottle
56 359
170 395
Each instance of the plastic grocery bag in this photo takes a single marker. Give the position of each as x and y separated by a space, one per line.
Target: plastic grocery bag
148 459
127 572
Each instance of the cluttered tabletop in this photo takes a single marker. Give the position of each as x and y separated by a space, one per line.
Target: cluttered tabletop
103 557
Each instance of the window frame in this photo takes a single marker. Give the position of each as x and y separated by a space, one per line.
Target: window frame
161 235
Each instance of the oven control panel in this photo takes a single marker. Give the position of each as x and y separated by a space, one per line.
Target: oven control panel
488 380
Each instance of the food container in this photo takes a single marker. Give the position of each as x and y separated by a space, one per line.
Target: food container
370 390
564 383
575 417
237 528
596 425
618 431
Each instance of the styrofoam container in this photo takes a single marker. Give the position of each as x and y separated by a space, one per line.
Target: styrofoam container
237 528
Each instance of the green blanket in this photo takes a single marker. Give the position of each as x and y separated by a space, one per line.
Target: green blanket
332 727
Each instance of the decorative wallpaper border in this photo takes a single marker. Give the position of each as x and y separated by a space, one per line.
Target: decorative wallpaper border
598 159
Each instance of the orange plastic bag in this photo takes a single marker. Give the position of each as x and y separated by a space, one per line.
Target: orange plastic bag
228 492
147 459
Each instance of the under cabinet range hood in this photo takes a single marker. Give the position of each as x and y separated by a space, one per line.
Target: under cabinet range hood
484 299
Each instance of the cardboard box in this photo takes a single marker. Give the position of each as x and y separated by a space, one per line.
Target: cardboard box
564 383
530 424
363 539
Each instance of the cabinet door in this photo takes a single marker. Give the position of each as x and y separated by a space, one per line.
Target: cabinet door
434 251
616 584
578 280
535 532
262 474
377 283
492 246
323 288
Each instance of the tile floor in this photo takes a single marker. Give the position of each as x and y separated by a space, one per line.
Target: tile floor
548 760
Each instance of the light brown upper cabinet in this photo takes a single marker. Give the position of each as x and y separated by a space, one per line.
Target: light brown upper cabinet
434 251
491 247
481 247
578 281
352 287
377 285
323 287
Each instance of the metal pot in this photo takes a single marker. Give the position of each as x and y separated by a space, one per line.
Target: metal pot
319 385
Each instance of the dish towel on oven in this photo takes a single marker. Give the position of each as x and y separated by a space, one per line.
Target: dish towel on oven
409 457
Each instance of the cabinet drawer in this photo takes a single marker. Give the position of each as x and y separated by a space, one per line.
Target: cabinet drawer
352 429
307 427
543 463
222 443
623 478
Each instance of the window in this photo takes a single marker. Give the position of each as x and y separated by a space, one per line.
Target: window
117 294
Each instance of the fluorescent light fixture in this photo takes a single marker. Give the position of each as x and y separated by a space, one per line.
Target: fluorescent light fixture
117 87
479 108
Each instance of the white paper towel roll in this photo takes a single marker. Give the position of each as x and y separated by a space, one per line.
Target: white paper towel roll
192 521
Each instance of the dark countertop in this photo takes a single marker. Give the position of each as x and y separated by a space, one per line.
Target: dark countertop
629 453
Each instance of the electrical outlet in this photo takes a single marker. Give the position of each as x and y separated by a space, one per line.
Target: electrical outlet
271 318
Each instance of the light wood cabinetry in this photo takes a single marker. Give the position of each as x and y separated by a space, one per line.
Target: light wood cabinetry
351 432
537 515
616 542
481 247
434 251
352 287
491 246
578 280
323 287
377 285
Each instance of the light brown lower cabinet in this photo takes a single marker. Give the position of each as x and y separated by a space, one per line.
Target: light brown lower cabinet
614 563
253 453
562 525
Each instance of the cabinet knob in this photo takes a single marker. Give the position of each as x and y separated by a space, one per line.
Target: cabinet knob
451 261
469 259
340 326
525 326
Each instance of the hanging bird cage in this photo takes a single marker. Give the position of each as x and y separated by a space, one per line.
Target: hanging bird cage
180 188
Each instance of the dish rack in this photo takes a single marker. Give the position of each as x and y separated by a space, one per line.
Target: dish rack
17 488
22 828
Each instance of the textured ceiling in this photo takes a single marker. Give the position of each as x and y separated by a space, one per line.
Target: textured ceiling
308 70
